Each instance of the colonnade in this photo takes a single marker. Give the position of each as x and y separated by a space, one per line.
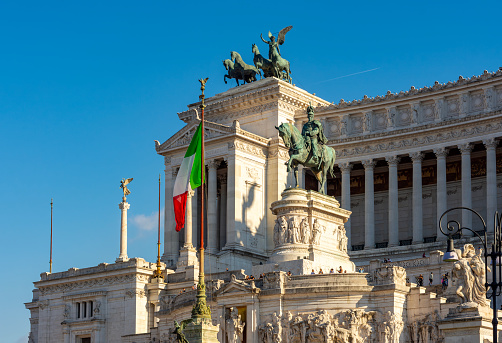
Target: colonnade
417 208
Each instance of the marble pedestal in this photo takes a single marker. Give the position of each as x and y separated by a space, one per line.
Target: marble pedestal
468 323
308 234
202 331
188 257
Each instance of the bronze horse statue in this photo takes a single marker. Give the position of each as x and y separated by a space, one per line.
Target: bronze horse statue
300 154
232 72
262 63
247 71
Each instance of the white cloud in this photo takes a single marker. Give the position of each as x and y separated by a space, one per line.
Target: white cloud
147 222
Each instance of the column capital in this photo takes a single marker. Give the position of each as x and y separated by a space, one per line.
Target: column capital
213 164
167 160
345 167
175 171
490 143
124 205
368 164
190 193
441 152
392 160
417 156
465 148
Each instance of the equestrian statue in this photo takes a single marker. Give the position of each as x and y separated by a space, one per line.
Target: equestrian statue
308 148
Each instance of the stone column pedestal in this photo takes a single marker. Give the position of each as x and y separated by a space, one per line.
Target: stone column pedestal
202 331
468 324
308 234
124 206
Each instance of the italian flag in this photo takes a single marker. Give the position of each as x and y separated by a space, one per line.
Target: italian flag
188 178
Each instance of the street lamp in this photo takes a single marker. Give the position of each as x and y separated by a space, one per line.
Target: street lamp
454 227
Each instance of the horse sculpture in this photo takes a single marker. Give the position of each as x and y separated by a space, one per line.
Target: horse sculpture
232 72
247 71
263 63
299 154
281 65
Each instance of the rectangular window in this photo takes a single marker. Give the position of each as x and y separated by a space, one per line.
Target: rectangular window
78 310
84 309
91 308
85 340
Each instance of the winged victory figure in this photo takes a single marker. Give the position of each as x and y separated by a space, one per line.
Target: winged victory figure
123 185
273 43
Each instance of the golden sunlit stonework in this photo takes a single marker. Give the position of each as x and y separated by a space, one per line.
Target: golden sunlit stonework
292 265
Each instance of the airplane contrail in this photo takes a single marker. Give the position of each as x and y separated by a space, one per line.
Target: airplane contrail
341 77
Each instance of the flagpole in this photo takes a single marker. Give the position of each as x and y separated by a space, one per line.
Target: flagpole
158 272
201 309
50 260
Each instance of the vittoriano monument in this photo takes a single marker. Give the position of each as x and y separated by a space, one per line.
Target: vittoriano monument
273 66
308 148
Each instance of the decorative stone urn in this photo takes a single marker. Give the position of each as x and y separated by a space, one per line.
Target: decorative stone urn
309 233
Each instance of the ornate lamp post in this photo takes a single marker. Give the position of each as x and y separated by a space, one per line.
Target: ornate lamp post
454 227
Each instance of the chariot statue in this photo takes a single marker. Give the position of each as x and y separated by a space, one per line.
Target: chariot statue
280 65
308 148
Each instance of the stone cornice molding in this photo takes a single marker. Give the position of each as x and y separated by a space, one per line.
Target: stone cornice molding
86 284
356 149
85 295
437 89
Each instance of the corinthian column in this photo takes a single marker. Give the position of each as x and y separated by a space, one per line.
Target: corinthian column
491 181
466 149
124 206
393 161
188 221
171 242
441 199
369 205
418 234
223 209
345 167
212 230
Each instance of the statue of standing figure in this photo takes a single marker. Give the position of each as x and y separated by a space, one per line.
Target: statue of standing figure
235 326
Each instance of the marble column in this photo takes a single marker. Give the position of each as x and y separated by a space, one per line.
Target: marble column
441 197
124 206
466 149
212 186
345 167
301 176
369 204
491 181
188 221
222 178
418 233
171 242
231 210
393 161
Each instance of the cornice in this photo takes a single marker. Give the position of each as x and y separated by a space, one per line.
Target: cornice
438 89
429 135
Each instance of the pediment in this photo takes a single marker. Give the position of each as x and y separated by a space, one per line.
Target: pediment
237 287
183 137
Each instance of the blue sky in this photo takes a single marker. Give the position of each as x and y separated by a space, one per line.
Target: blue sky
85 88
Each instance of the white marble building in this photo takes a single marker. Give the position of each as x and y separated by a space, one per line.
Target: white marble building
402 159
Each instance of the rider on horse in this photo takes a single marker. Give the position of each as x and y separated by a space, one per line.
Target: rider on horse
314 136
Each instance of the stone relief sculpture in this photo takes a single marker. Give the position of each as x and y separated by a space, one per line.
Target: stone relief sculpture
293 228
67 311
389 275
321 326
304 230
97 306
391 117
426 330
343 126
414 113
235 326
317 230
367 122
468 273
